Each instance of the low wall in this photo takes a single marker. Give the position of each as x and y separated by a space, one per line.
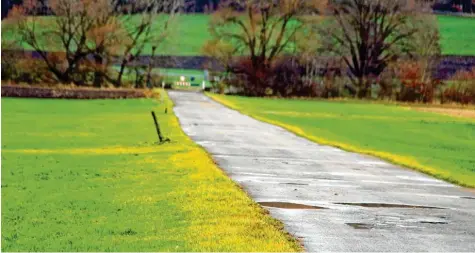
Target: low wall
71 93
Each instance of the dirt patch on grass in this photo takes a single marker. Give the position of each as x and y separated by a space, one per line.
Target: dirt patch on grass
73 93
457 112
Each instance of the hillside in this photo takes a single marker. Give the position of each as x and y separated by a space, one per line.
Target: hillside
190 32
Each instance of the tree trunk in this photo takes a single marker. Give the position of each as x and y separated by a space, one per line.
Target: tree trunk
467 6
98 77
363 87
118 82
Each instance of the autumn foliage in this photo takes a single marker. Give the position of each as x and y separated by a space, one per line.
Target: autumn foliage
462 89
414 86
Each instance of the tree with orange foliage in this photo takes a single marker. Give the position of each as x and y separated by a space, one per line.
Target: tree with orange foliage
462 89
414 85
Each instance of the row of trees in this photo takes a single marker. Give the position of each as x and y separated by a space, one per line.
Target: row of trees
89 35
197 6
268 47
326 48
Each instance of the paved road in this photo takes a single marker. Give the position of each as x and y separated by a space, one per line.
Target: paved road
369 205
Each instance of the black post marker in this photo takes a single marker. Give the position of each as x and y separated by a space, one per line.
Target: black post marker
157 127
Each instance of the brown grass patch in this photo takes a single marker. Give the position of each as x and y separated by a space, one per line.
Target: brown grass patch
457 112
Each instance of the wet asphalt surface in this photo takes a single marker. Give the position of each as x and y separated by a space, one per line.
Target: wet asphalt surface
332 200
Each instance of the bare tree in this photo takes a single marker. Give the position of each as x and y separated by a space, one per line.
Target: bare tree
426 42
74 30
259 30
368 34
425 56
91 34
149 29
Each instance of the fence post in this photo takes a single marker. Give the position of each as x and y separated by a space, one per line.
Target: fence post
157 127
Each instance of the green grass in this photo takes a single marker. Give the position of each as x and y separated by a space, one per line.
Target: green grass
457 35
190 33
442 146
86 176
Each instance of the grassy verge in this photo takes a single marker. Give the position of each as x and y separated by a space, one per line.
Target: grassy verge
435 144
86 176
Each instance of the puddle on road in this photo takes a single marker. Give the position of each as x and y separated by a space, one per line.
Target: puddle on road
433 222
360 225
288 205
294 183
386 205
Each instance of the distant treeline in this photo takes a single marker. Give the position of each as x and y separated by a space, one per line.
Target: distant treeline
202 6
446 67
198 6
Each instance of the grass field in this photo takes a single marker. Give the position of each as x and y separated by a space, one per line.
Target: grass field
457 35
440 145
86 176
190 33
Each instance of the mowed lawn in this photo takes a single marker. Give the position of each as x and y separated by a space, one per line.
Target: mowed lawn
87 176
190 32
440 145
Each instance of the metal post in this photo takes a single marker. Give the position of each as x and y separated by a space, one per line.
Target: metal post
160 137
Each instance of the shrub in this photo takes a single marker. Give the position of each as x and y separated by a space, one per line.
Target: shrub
285 78
416 85
24 70
387 83
219 86
461 89
332 84
252 81
218 81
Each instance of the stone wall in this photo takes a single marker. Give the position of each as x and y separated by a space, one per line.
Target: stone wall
71 93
